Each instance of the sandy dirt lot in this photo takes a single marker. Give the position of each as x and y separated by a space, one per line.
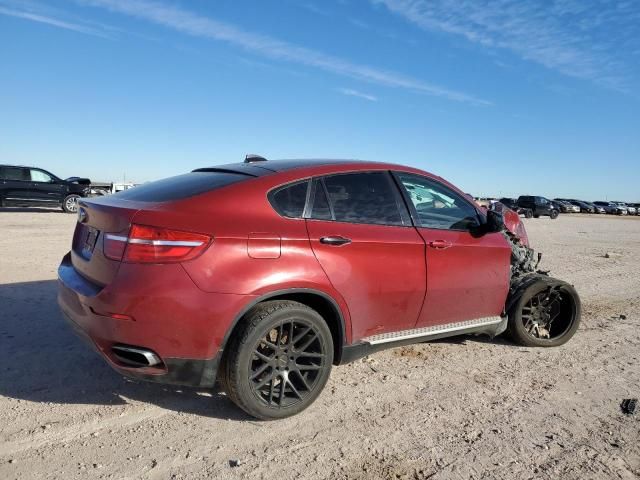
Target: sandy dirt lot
462 408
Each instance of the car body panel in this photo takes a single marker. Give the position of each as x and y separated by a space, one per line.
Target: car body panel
385 294
469 279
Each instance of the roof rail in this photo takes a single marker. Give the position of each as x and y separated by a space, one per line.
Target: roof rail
250 158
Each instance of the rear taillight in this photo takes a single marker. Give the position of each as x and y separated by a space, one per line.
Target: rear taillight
146 244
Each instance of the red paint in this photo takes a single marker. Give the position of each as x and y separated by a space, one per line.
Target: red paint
388 278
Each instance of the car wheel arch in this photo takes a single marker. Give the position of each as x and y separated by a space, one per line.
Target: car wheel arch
318 300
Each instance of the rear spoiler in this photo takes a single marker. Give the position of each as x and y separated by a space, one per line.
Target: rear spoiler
249 169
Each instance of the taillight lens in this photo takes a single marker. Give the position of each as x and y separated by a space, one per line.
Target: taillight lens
146 244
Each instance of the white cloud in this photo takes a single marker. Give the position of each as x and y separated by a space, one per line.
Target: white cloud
190 23
355 93
588 40
35 17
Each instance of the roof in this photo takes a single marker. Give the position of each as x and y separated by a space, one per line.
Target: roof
259 169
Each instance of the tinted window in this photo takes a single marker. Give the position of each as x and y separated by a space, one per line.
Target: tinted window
289 201
40 176
363 198
14 173
320 210
182 186
438 206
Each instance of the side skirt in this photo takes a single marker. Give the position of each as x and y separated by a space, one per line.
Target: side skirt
491 326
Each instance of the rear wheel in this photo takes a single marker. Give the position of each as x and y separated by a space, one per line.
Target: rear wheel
528 214
546 315
279 361
70 203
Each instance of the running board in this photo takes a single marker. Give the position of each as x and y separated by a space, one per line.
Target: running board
435 330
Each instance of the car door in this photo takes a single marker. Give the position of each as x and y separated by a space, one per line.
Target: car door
45 188
543 206
16 184
467 274
362 236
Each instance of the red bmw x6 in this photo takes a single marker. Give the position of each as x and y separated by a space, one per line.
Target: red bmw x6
264 274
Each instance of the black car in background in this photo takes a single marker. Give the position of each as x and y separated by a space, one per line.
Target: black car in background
585 207
610 207
34 187
512 203
539 206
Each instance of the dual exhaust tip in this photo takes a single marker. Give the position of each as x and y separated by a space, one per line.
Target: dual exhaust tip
136 357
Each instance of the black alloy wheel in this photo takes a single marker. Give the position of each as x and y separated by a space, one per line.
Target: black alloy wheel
547 314
279 361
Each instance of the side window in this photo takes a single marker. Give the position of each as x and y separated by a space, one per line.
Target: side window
289 201
436 205
14 173
40 176
363 198
320 209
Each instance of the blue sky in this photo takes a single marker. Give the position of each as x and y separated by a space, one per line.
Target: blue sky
500 97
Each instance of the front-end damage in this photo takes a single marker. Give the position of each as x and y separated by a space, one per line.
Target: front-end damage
540 310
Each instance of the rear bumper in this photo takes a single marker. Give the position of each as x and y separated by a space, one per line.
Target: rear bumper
166 314
191 372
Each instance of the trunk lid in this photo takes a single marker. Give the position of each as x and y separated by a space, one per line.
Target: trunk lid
97 217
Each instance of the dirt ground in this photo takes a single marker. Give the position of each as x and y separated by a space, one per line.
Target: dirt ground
462 408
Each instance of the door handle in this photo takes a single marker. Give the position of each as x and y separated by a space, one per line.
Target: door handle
335 241
439 244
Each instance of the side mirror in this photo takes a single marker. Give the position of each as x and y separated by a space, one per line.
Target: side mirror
495 221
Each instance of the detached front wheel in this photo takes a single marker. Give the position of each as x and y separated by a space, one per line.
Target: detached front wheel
547 314
279 361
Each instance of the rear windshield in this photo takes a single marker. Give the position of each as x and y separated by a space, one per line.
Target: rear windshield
181 186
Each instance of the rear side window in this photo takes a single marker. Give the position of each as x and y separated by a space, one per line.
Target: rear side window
289 201
363 198
181 186
14 173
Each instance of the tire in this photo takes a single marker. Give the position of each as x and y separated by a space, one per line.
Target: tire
528 313
70 203
262 356
553 214
528 214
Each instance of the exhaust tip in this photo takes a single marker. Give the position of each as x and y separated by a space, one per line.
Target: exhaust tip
135 356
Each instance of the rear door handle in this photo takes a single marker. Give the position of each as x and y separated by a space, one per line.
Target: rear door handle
439 244
336 241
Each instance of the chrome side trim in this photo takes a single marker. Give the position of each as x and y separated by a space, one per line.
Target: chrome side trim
141 241
117 238
430 331
173 243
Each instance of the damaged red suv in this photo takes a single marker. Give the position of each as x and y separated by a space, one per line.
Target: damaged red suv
263 274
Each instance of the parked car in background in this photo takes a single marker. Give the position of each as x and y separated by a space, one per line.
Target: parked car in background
630 209
610 207
512 203
539 206
636 206
566 206
596 208
22 186
262 275
583 207
485 202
